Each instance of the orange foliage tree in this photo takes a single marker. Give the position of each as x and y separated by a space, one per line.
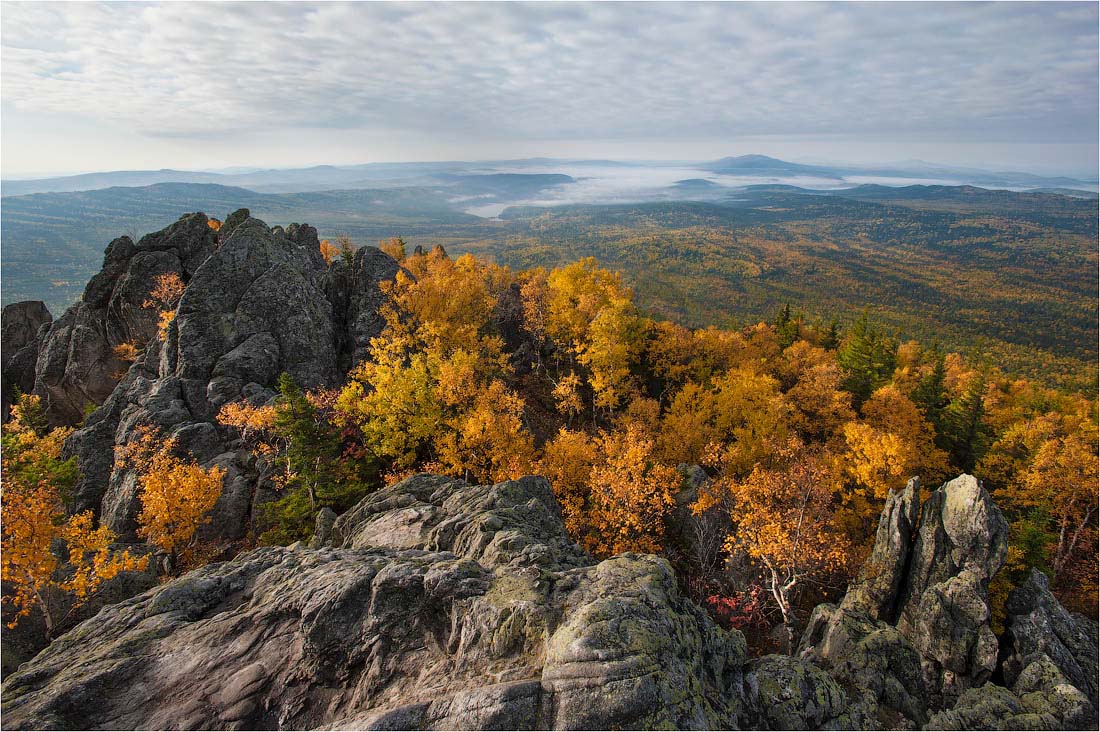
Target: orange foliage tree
176 495
164 296
329 251
783 516
34 524
631 494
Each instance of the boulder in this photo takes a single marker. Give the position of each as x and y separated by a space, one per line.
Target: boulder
872 660
1038 626
442 606
23 326
786 693
1041 698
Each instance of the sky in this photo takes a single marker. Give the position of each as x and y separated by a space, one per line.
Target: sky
111 86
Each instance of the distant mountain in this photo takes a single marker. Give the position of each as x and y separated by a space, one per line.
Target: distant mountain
290 180
701 184
94 181
762 165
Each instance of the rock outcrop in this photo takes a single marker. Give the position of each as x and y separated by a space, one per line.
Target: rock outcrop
24 327
441 606
434 604
911 640
945 611
1039 627
258 301
77 367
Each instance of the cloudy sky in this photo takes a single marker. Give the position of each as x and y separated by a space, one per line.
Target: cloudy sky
110 86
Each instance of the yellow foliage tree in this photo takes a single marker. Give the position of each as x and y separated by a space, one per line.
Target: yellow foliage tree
783 517
732 425
812 379
488 441
567 462
631 494
34 522
329 251
165 294
395 247
176 495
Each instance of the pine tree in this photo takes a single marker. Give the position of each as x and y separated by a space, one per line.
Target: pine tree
832 336
867 358
315 474
931 392
786 327
965 435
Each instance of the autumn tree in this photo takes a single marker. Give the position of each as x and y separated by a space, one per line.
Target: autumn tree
488 441
737 421
812 381
631 494
395 247
567 462
50 561
783 517
329 251
433 391
176 496
164 296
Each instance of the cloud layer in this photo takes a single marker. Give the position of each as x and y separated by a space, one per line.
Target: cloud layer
564 71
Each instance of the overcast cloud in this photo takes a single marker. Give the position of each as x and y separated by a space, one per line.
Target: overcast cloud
100 86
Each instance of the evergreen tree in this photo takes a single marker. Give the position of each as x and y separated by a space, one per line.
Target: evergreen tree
786 327
318 477
965 435
867 359
832 336
931 392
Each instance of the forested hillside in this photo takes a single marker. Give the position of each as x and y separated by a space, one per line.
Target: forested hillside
1008 278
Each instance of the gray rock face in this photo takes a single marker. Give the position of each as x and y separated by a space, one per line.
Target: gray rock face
931 580
873 661
1041 698
479 614
258 301
1039 626
945 607
23 326
77 367
786 693
876 592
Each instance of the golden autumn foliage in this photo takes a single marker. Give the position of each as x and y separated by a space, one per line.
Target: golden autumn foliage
34 523
395 247
631 493
214 224
164 296
567 462
127 352
487 375
176 495
784 517
329 251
